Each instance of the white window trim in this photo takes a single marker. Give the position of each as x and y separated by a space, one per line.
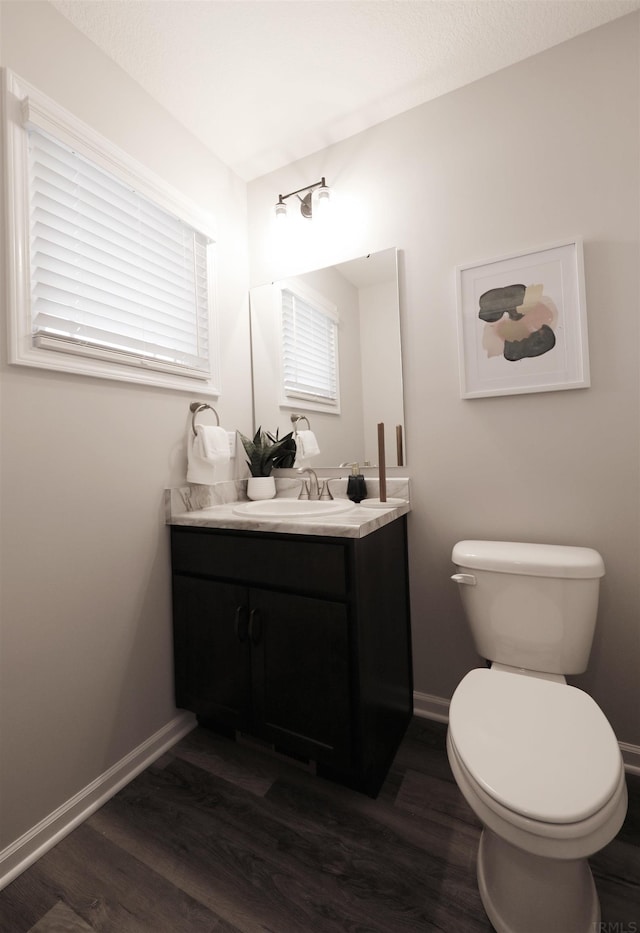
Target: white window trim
298 400
24 104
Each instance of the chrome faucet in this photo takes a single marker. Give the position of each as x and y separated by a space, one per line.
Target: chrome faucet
316 491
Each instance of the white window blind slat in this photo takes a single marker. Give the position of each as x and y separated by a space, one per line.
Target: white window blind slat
64 250
113 195
76 238
98 351
111 271
95 337
123 321
116 233
54 259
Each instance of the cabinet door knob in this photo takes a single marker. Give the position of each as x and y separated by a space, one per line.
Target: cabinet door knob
255 626
242 629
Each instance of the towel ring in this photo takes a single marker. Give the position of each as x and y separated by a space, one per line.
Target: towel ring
296 418
195 407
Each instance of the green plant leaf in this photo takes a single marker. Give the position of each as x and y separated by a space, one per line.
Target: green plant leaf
266 451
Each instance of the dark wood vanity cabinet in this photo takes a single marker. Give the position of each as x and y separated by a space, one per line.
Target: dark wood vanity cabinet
300 641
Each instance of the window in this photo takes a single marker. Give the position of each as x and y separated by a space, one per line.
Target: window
116 268
309 349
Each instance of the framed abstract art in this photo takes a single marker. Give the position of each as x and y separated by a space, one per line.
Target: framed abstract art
522 323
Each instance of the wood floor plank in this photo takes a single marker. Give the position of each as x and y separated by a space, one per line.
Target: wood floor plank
359 859
61 919
357 819
316 865
222 837
24 902
334 870
232 761
389 852
430 797
630 832
230 852
111 890
424 749
616 872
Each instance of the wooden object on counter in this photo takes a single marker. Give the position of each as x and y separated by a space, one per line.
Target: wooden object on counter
382 469
399 452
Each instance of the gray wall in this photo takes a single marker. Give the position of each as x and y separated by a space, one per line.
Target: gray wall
541 151
85 653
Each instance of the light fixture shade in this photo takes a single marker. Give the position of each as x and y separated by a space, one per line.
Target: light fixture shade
281 210
323 195
322 199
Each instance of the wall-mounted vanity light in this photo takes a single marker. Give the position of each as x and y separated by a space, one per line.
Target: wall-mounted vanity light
315 200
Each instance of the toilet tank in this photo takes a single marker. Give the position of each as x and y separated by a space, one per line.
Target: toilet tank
531 606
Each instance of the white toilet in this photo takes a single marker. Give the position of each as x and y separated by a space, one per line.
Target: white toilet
534 757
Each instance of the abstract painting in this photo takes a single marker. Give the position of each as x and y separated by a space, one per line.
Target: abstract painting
522 323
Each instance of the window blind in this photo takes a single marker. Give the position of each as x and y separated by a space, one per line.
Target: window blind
309 350
113 274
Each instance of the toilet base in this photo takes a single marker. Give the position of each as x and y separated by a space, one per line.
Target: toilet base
525 893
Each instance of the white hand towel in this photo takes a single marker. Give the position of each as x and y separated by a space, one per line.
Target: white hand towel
307 444
306 447
205 454
213 443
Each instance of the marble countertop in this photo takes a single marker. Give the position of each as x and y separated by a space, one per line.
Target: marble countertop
212 507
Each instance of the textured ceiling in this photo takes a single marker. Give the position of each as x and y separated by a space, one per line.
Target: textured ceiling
265 82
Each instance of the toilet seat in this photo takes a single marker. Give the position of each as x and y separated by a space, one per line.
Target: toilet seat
554 840
543 750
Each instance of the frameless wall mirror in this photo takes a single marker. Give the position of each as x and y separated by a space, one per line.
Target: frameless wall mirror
326 346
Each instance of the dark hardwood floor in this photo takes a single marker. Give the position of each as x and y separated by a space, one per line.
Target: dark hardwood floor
218 837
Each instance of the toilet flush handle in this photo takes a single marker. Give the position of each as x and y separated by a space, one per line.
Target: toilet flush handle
467 578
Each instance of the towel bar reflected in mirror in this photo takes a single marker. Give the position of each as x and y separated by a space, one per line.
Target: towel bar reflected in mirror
296 418
195 407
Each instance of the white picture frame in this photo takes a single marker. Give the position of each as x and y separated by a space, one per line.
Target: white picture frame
522 322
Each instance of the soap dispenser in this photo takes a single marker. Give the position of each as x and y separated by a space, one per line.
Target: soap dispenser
356 486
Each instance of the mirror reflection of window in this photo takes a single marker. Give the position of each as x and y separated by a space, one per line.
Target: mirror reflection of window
309 348
366 294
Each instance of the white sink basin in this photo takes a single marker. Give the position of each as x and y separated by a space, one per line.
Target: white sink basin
292 508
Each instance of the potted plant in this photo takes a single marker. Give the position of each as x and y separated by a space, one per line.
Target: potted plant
265 453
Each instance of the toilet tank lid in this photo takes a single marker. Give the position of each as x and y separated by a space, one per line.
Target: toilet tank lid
538 560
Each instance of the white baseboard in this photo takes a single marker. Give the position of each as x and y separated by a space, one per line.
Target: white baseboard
431 707
22 853
631 757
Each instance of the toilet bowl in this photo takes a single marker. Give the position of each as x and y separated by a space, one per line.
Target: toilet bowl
534 757
540 766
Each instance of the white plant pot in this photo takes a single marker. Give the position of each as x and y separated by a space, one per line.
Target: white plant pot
261 487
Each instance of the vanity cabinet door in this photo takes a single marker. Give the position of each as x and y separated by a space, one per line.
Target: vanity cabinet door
212 650
300 673
301 641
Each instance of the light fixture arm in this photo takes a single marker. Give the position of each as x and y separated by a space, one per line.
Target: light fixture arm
316 184
306 208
